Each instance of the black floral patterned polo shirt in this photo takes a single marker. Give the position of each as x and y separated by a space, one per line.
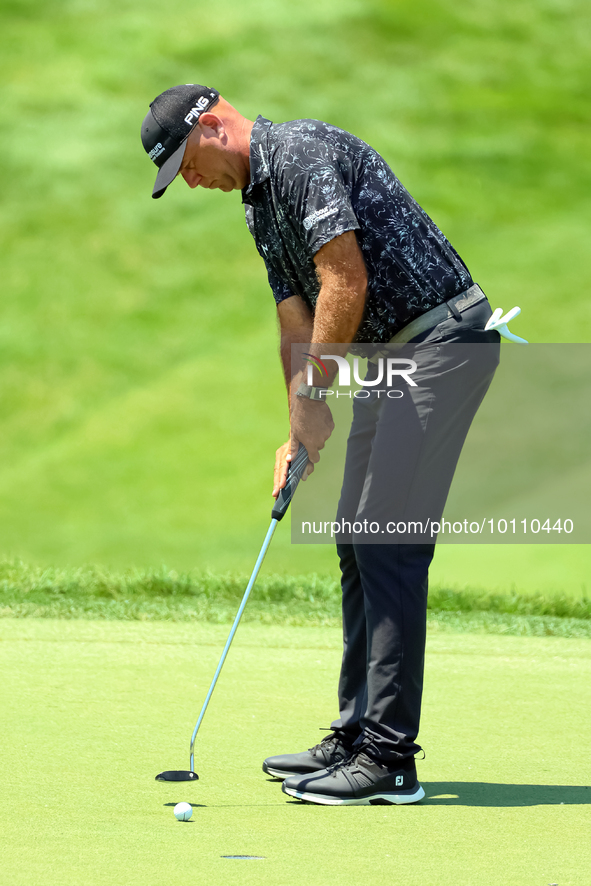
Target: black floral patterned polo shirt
311 182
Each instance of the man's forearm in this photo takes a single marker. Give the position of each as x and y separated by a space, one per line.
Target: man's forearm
341 301
339 310
338 313
287 362
296 326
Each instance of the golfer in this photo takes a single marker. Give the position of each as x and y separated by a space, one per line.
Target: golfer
352 259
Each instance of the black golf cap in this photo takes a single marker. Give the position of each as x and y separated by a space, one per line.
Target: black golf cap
172 117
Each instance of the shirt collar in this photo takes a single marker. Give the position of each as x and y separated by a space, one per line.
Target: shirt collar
259 155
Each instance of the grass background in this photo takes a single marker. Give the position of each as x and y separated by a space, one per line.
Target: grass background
140 393
297 601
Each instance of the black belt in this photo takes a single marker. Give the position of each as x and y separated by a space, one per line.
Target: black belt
451 308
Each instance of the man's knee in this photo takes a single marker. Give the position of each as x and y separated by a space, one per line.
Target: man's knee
388 557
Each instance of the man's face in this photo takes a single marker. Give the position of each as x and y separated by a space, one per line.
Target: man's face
206 163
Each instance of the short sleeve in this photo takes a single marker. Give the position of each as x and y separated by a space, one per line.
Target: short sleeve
312 183
281 290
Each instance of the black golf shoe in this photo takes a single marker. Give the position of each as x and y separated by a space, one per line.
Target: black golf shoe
332 749
359 780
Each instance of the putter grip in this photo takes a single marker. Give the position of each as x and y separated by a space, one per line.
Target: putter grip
294 474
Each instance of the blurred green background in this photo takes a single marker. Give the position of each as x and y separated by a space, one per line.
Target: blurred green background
140 390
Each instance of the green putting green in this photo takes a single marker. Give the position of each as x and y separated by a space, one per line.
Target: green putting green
93 710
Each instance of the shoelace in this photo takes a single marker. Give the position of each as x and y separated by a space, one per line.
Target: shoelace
349 761
325 741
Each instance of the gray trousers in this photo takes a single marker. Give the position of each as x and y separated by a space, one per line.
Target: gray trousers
401 457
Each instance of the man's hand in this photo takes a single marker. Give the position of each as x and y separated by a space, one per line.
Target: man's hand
282 460
311 424
321 421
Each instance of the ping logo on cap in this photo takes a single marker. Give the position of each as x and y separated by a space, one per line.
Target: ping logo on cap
195 112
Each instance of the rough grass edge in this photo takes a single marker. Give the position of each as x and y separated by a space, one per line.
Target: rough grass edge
166 595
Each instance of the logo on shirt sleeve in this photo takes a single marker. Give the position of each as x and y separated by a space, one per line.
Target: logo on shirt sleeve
320 215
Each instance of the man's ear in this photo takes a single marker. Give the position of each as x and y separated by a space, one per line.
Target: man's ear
212 121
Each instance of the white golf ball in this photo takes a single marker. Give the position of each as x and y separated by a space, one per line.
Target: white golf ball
183 811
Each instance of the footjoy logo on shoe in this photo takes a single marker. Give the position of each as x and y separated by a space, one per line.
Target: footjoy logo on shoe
399 781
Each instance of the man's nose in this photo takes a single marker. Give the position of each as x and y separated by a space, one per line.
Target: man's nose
191 177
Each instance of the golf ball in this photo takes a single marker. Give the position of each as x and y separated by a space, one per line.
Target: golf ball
183 811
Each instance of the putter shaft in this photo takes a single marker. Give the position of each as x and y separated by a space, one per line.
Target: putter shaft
255 572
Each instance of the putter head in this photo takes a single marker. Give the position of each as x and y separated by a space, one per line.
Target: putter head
177 775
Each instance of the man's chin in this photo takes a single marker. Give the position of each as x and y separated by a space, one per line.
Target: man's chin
216 185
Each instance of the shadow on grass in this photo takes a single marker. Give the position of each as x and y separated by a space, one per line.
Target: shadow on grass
479 793
194 805
231 805
469 793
